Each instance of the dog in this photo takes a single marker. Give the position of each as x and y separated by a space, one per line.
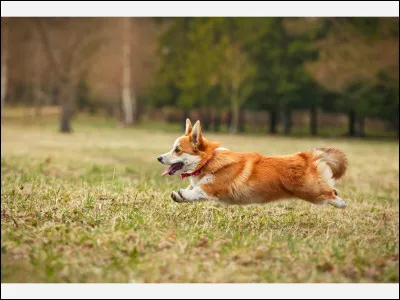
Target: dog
219 174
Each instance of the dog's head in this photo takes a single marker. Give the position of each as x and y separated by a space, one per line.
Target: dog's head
188 151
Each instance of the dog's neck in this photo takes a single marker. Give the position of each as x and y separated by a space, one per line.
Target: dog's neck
197 172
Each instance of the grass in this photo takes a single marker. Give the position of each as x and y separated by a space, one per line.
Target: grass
93 207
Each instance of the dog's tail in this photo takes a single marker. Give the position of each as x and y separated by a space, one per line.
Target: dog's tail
334 158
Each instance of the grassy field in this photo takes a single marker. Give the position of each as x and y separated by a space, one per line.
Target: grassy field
93 207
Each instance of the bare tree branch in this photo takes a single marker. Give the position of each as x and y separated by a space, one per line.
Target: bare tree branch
48 47
87 37
81 60
44 96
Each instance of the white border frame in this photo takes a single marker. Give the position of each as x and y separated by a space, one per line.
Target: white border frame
199 8
200 291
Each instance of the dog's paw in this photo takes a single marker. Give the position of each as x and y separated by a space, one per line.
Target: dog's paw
176 197
339 203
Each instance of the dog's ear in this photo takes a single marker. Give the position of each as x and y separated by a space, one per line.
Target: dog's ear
188 129
197 136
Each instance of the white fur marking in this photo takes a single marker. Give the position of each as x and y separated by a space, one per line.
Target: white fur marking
221 148
191 162
205 180
197 193
337 202
194 194
325 172
176 143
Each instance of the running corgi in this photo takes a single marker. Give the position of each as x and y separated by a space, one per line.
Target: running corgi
219 174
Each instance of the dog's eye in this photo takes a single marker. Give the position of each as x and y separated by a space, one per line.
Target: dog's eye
177 149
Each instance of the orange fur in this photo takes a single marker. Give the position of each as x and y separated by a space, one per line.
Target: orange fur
245 178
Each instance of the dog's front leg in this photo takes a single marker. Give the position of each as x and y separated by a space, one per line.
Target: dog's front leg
176 195
189 195
193 194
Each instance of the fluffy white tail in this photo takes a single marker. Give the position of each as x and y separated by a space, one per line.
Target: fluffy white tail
333 158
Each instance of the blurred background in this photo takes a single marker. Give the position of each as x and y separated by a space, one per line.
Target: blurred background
288 76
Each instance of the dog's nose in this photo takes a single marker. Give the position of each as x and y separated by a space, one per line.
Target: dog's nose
159 158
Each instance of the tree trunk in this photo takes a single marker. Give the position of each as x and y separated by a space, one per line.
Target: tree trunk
116 111
4 64
361 127
108 111
287 120
127 99
38 103
229 119
352 123
234 127
273 121
313 120
205 114
242 120
217 121
135 107
54 94
66 115
36 75
67 105
92 109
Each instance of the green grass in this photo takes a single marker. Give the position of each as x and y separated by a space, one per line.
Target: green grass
93 207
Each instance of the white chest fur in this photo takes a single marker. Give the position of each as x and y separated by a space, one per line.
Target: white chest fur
196 181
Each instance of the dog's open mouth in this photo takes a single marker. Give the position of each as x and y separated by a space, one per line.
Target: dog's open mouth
173 169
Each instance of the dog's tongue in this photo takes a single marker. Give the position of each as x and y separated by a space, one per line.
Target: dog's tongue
172 169
168 170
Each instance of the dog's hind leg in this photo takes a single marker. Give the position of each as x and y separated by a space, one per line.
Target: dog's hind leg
329 196
337 202
332 198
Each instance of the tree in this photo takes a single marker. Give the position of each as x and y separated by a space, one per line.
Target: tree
105 77
236 77
70 45
294 60
198 74
216 72
172 55
280 49
260 40
342 68
37 72
128 94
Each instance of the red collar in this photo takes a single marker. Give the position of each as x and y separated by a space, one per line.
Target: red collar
195 173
